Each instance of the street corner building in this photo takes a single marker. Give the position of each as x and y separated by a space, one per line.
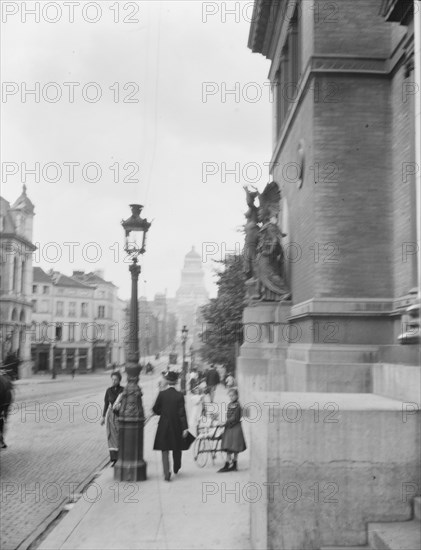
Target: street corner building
16 232
338 355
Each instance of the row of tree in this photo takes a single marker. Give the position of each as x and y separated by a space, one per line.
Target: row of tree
223 331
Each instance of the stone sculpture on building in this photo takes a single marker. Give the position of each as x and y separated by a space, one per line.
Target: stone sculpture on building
263 252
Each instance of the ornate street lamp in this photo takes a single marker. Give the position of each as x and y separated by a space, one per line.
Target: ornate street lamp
130 465
184 333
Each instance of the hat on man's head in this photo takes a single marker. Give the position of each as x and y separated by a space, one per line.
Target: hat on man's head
172 376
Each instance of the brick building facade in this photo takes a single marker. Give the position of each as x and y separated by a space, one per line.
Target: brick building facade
344 157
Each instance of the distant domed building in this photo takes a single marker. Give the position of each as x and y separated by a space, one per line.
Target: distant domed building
192 291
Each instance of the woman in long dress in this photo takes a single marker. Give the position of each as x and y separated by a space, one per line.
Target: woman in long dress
110 416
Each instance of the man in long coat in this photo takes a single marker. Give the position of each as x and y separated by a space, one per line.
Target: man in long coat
172 425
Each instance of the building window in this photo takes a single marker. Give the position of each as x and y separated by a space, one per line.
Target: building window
15 274
34 289
72 309
59 332
84 332
45 290
33 332
101 332
44 306
44 331
60 308
72 332
84 309
101 312
23 277
34 306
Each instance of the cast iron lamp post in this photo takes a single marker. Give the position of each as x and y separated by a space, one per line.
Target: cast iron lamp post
130 465
184 333
191 357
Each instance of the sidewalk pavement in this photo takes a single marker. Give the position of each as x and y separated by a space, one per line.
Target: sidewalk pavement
62 377
197 509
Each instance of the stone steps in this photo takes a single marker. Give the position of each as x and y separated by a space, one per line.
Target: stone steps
401 535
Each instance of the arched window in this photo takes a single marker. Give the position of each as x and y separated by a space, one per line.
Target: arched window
33 331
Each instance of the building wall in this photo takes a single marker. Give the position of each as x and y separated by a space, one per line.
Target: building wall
353 203
349 222
403 183
350 28
300 226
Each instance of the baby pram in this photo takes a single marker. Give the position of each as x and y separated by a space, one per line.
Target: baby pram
209 438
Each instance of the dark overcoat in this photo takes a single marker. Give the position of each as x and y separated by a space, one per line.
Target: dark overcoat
169 405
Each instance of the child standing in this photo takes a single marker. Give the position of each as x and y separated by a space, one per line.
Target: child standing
233 441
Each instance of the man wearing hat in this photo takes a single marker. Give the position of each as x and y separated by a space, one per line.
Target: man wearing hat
172 425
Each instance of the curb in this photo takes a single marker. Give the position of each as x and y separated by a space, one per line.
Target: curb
31 541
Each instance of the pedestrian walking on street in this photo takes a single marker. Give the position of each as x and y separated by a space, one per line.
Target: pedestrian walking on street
172 425
110 416
212 380
233 441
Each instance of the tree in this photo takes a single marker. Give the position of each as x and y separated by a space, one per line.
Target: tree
222 317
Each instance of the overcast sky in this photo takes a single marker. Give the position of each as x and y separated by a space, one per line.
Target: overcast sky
181 55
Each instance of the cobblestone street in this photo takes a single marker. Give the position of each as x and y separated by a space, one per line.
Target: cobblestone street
55 443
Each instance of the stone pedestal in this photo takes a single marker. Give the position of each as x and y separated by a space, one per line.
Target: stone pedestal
261 363
329 463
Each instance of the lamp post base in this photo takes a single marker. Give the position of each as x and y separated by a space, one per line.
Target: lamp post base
130 470
130 465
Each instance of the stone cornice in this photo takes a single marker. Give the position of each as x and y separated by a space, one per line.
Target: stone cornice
258 26
336 65
358 307
351 307
20 239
